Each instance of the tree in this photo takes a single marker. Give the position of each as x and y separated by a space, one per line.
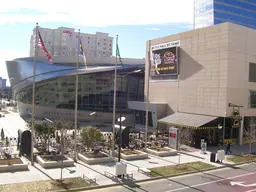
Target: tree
184 138
90 135
2 134
43 129
250 131
63 126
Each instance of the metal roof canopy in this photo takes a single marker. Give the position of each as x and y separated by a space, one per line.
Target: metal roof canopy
187 120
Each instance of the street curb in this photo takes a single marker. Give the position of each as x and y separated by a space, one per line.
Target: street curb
138 181
149 179
192 155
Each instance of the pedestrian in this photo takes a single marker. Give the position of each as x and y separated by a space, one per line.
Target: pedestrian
228 149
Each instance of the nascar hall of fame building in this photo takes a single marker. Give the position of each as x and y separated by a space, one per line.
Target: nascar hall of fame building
203 80
55 87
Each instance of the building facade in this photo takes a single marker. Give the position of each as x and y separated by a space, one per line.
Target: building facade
63 42
202 79
55 88
212 12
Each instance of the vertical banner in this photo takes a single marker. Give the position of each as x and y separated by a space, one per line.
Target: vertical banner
173 138
164 59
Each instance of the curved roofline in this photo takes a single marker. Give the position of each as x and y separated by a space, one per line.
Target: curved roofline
90 60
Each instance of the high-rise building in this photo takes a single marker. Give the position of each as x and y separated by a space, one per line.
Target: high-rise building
212 12
63 42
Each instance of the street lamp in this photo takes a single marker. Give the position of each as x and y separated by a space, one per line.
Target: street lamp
92 114
224 126
120 120
114 108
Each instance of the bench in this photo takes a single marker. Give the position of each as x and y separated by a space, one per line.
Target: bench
89 178
144 170
110 175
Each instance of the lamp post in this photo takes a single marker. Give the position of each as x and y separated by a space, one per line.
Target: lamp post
223 130
147 97
121 119
92 114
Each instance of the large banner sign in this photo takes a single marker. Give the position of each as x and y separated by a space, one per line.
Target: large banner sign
164 59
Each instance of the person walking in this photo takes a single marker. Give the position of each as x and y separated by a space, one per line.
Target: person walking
228 149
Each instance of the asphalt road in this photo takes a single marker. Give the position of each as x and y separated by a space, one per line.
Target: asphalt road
236 179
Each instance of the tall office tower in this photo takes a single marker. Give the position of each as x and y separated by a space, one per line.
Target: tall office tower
63 42
212 12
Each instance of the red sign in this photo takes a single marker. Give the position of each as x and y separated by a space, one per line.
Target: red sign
68 32
173 135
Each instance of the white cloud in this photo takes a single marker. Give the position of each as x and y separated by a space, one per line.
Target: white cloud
153 29
99 13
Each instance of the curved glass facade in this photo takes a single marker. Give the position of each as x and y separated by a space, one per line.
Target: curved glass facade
95 91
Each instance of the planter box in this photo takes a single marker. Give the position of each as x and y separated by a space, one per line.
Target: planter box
170 152
54 164
95 160
141 155
14 167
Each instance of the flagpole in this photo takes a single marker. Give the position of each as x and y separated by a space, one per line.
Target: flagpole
33 99
147 101
76 105
114 101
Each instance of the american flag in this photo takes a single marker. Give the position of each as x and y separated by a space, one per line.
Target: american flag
41 45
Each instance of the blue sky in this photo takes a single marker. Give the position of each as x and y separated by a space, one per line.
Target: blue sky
134 25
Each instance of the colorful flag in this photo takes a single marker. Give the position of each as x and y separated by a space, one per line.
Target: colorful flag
41 45
81 52
118 55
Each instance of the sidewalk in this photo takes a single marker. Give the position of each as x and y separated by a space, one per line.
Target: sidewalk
236 150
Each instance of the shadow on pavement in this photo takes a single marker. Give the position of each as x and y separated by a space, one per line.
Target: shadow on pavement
43 173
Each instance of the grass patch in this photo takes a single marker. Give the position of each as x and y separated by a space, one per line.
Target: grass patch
11 161
242 158
179 169
94 155
4 112
47 185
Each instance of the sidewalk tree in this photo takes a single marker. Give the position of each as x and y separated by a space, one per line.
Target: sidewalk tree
43 129
2 134
63 126
250 131
184 138
90 135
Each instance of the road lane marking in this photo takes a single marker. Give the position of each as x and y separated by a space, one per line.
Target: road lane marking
210 182
239 183
251 190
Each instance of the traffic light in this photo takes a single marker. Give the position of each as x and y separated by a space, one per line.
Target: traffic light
236 119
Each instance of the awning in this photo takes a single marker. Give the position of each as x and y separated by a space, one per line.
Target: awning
188 120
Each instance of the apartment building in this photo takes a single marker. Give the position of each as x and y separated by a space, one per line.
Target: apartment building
63 42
